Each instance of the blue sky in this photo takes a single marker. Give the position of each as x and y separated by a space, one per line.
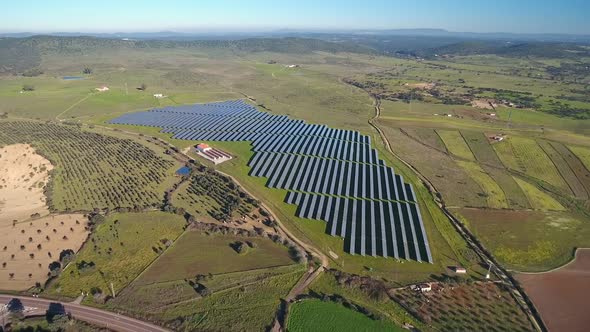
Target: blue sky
522 16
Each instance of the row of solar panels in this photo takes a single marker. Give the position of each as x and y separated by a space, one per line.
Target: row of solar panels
329 176
376 228
183 123
320 147
225 108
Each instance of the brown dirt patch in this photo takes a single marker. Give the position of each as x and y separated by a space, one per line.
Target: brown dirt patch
30 242
423 86
561 296
484 103
23 175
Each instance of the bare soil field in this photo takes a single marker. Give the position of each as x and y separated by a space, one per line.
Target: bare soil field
561 295
30 239
23 175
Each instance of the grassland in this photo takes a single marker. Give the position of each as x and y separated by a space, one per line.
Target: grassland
215 256
317 315
539 199
117 252
582 153
456 144
245 300
529 240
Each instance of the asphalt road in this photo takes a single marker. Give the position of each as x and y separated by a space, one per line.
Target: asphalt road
91 315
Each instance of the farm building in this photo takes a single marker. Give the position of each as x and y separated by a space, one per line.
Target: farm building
425 288
158 95
460 270
497 138
102 89
214 155
203 147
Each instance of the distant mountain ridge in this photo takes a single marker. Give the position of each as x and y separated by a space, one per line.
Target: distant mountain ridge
224 35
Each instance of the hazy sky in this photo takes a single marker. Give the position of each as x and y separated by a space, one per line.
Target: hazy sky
540 16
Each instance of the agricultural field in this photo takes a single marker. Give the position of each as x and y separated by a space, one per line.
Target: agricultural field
481 306
526 156
316 315
561 295
456 144
528 240
491 190
184 290
31 238
118 250
180 262
93 170
210 195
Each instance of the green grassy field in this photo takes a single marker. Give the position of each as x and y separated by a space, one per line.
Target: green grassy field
215 256
316 315
539 199
244 301
120 248
529 240
456 144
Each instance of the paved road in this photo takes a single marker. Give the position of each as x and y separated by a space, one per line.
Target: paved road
91 315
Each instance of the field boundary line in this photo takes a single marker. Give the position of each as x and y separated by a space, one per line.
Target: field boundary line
57 117
226 273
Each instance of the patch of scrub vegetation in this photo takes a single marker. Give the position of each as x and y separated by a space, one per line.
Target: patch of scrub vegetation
538 199
54 323
217 254
491 190
317 315
456 144
120 248
526 156
93 170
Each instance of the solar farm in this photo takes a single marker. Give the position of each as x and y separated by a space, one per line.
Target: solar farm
331 174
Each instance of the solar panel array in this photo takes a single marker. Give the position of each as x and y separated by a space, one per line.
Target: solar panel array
332 175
